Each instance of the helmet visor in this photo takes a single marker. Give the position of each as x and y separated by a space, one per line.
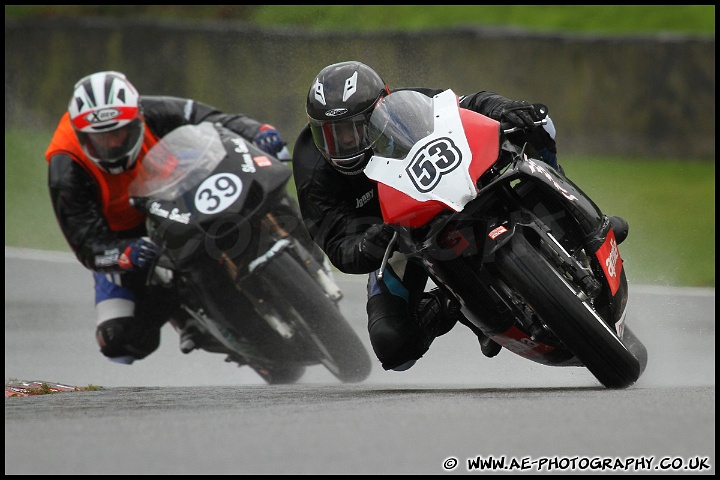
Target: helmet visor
112 145
342 139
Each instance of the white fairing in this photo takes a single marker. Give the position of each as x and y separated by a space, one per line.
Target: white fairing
436 167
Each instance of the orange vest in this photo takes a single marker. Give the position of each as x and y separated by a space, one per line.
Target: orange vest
114 197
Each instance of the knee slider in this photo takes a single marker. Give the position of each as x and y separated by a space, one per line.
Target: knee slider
394 337
122 337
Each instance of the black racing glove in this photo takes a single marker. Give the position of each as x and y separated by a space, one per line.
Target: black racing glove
540 139
520 114
375 242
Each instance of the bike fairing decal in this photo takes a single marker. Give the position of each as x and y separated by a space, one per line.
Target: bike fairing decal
174 215
539 169
454 188
262 161
218 192
249 161
241 147
496 232
609 257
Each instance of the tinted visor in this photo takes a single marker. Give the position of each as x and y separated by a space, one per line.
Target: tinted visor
341 139
112 145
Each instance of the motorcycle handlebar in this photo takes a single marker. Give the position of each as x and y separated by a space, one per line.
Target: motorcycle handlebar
138 203
515 129
284 155
386 257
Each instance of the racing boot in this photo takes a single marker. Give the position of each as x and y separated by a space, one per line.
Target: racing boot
488 346
190 337
193 337
190 334
436 315
620 227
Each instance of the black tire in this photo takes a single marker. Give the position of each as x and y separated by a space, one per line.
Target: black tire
285 374
338 346
572 320
636 347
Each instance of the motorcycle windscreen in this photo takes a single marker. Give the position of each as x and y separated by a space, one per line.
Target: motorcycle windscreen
440 171
178 162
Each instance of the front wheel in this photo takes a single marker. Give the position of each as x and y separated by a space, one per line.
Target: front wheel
337 345
279 375
574 321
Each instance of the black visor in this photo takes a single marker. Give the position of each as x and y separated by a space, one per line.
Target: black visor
112 146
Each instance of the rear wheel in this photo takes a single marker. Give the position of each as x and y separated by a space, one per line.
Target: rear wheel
560 306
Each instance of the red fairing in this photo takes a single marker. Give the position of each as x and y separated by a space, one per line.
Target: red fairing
484 140
399 209
609 256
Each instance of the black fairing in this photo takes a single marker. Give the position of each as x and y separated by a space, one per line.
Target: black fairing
189 234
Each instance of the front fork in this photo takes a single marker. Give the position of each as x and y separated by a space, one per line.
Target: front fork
286 242
319 271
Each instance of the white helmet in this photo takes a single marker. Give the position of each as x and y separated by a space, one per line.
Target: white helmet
106 116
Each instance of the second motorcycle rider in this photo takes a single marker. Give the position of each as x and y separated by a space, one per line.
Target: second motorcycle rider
93 157
341 210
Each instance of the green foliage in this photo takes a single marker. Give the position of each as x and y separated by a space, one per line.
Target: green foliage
596 19
670 206
29 218
603 19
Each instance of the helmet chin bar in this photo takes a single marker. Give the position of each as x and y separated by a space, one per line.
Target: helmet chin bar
117 167
123 164
352 165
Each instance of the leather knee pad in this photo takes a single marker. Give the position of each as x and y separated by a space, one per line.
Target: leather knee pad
125 336
394 337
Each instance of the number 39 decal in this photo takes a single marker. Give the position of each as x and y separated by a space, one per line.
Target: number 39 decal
217 193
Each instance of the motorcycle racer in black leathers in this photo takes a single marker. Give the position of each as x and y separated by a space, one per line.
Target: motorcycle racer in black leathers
341 210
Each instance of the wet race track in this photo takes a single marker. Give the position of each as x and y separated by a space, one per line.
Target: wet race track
195 414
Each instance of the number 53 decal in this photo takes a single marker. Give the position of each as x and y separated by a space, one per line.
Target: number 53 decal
431 162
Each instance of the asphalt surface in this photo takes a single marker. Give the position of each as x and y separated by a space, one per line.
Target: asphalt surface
195 414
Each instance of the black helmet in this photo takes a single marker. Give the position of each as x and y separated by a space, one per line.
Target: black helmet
339 105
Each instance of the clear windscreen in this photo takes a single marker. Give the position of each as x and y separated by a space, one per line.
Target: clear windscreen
400 120
178 162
